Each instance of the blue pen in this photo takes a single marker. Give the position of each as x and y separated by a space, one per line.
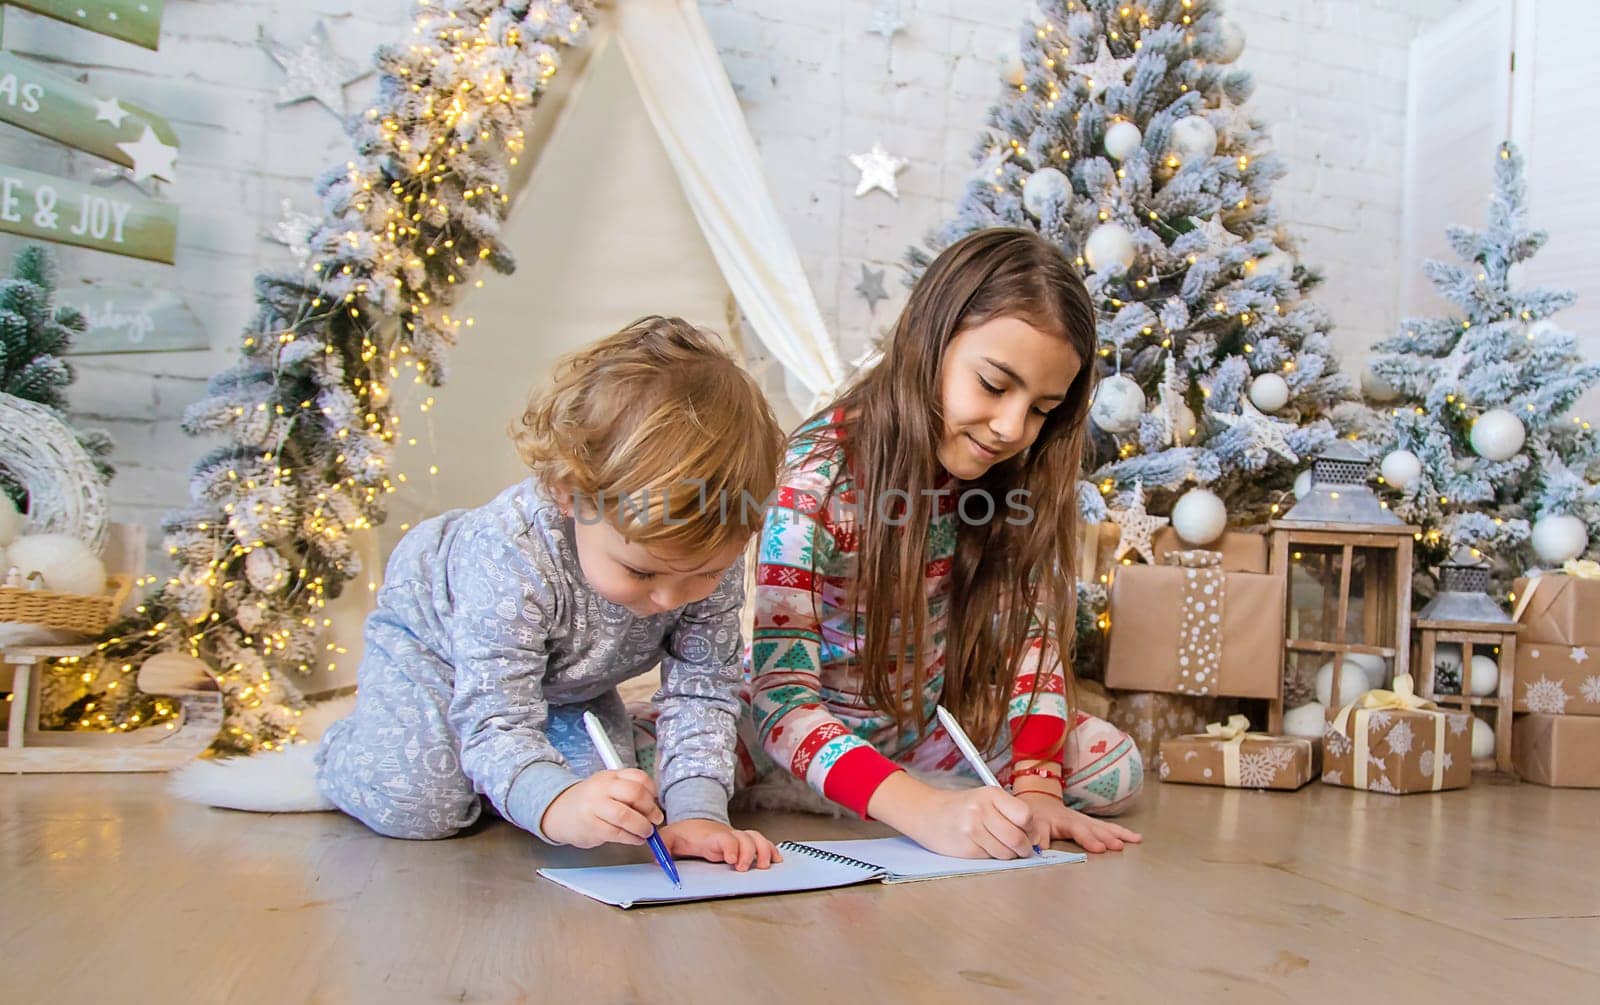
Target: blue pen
608 757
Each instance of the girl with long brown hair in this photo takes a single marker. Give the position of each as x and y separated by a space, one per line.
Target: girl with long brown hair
919 551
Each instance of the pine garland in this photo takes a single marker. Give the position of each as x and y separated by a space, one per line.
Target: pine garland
306 416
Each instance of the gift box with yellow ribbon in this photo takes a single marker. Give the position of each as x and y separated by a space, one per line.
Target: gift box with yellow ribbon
1227 753
1396 742
1558 653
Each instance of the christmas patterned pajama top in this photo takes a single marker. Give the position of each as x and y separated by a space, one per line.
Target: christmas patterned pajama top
808 701
487 645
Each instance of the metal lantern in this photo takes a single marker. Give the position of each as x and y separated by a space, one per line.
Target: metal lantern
1464 614
1347 563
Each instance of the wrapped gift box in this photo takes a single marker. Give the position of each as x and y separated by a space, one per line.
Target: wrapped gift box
1558 653
1559 750
1196 630
1374 745
1240 551
1090 696
1239 760
1150 717
1557 679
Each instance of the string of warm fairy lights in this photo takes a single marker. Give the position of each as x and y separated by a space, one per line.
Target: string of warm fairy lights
309 411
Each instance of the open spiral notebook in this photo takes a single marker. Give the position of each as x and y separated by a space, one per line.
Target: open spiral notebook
813 865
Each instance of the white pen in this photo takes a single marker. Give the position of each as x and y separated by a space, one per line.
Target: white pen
608 757
964 743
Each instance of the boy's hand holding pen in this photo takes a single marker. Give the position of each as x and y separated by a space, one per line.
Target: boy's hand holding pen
607 806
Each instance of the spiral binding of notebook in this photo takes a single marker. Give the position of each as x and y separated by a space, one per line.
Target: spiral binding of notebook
826 856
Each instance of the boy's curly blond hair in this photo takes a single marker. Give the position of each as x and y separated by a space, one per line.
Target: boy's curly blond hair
658 429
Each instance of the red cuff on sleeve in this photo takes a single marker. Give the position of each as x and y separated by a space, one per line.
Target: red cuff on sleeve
1039 739
855 777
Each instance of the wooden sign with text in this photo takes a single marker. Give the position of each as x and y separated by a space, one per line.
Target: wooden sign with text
132 319
61 109
69 212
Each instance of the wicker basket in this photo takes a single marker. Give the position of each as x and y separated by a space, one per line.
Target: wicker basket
69 611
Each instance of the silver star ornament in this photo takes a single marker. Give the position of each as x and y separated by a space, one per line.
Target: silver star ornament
314 71
878 168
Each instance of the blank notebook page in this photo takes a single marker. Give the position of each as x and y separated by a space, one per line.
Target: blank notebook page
903 859
625 885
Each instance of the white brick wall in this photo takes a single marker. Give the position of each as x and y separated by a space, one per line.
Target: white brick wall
816 87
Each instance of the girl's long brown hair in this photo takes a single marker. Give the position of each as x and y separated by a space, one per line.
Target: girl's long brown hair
1004 573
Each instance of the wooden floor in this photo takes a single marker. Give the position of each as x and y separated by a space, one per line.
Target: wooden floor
109 892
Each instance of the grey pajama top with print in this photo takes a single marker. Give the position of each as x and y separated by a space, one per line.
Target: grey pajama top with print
484 649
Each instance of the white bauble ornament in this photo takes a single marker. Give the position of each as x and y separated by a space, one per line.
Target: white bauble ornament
1108 245
1122 139
1558 538
1377 390
1482 740
1352 683
10 521
1043 187
1401 468
1374 666
1269 392
1302 484
1232 42
1497 435
1118 404
1200 516
1012 70
1484 679
1309 720
1193 138
66 563
1447 668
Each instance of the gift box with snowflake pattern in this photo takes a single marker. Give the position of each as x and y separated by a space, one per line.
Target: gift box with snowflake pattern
1151 717
1558 653
1398 750
1557 679
1255 762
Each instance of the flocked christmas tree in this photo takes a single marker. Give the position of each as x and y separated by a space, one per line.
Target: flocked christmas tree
34 333
1479 447
1121 137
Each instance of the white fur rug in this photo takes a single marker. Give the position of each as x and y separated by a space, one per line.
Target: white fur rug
279 782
